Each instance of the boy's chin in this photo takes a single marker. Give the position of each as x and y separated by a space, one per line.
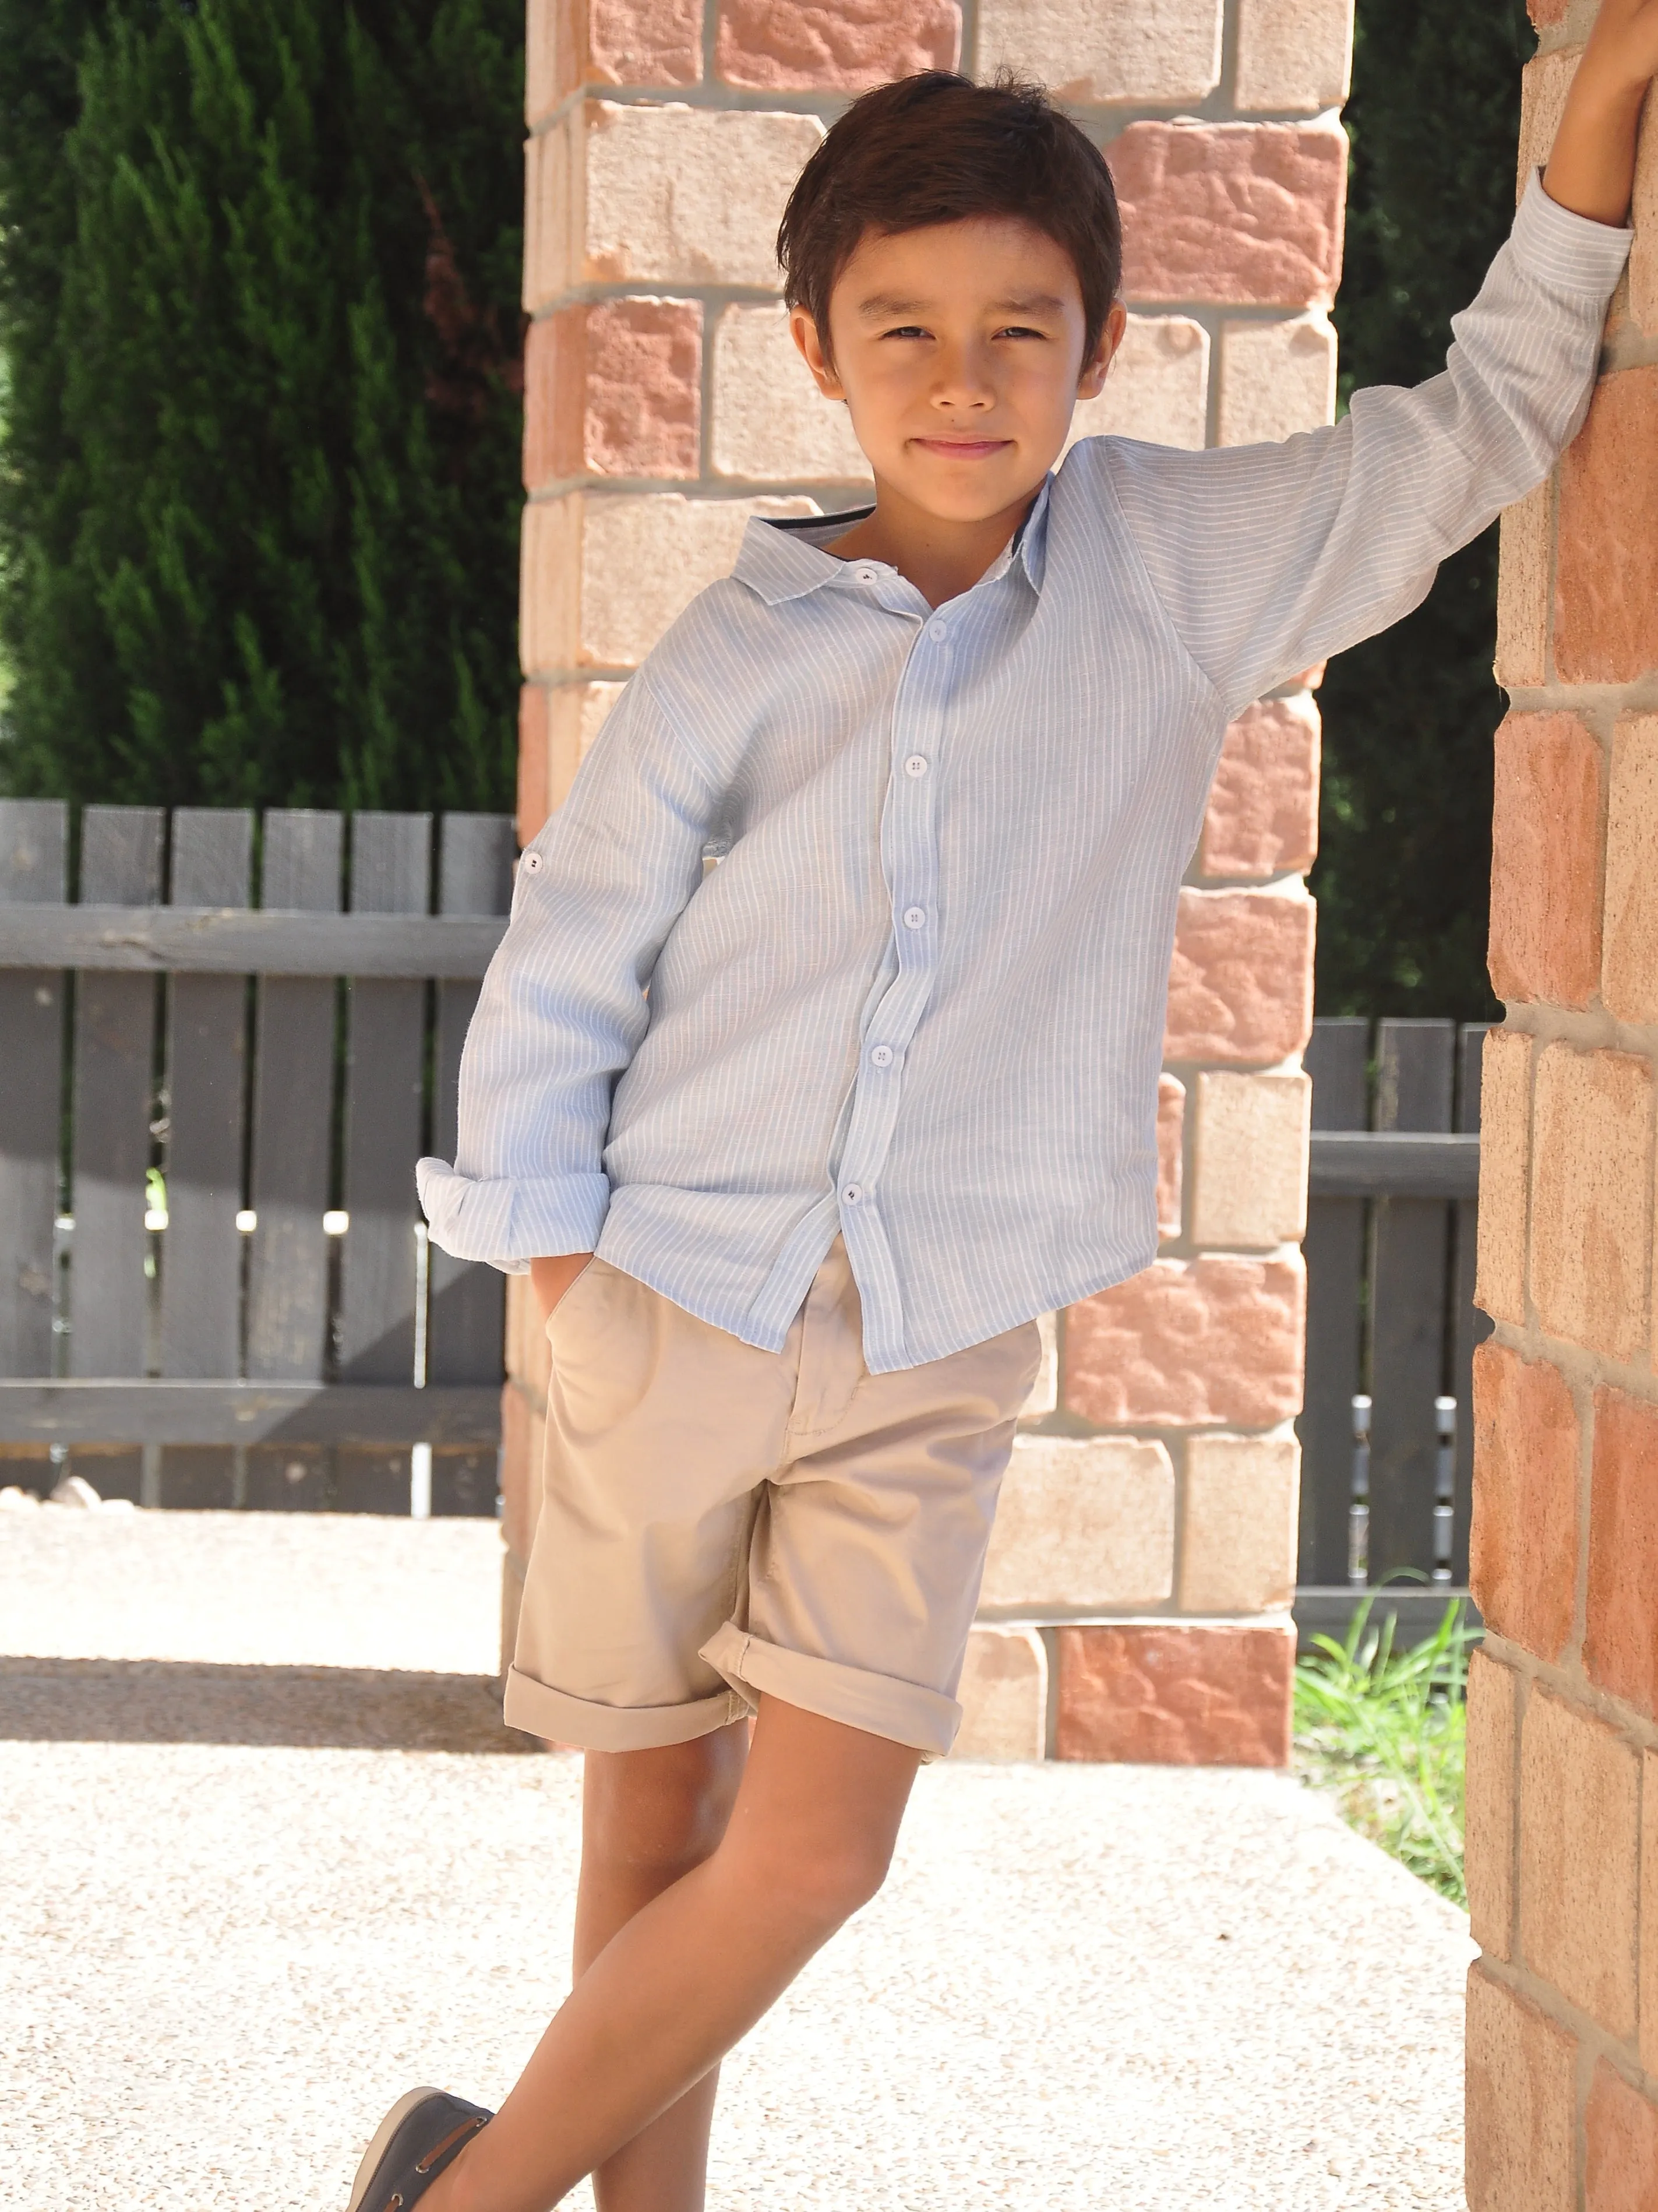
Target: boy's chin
965 503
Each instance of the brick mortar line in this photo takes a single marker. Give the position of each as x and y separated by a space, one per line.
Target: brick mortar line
1275 1617
1567 1680
1586 1029
1585 2030
1211 315
1631 347
715 487
1599 704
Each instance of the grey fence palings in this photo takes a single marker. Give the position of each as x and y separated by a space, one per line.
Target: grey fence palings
292 1116
1469 1326
467 1314
1415 1072
207 1071
154 940
33 869
197 1414
1336 1059
391 873
1371 1164
114 1057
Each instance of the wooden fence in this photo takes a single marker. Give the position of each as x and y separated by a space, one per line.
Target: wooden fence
214 1287
1387 1476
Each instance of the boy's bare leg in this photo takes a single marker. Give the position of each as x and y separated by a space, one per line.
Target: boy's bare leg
647 1818
808 1842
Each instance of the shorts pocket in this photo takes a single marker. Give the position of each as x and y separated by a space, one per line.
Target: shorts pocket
564 1296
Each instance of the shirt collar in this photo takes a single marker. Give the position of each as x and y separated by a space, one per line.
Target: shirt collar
782 557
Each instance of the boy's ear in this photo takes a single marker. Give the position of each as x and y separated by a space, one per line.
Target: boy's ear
804 330
1091 382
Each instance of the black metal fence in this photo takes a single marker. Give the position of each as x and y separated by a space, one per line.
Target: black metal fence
1387 1438
214 1287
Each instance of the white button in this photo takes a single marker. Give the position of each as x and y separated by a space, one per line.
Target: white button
916 764
882 1056
853 1193
866 575
939 629
914 917
531 863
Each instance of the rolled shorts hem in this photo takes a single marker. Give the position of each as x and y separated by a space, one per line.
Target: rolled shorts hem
558 1717
904 1712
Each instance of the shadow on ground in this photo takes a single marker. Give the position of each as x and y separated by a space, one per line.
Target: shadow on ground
173 1701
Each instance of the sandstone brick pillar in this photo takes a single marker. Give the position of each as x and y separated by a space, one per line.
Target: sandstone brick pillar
1563 1712
1136 1601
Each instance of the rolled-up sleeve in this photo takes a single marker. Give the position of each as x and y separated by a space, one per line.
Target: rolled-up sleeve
1270 558
563 1005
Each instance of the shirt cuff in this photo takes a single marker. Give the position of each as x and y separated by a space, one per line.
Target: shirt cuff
508 1222
1569 252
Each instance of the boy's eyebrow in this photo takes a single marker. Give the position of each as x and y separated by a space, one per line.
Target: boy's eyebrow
880 304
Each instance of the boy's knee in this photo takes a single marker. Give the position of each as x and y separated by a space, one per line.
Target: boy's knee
662 1809
822 1880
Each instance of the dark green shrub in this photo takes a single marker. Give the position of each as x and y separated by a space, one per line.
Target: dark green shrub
258 290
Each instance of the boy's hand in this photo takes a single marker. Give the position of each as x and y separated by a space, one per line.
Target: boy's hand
552 1278
1592 169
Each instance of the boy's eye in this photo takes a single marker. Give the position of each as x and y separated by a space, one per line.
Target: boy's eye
905 331
1020 330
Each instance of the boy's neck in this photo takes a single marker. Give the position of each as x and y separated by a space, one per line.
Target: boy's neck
941 555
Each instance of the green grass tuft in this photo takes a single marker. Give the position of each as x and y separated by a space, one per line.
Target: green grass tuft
1384 1732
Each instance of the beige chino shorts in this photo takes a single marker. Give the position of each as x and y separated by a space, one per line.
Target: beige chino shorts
717 1521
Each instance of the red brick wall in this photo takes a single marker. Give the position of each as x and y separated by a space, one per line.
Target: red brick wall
1562 1718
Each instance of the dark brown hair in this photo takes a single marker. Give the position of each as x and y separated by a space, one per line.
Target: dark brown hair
937 147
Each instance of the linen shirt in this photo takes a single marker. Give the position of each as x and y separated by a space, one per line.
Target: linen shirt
921 999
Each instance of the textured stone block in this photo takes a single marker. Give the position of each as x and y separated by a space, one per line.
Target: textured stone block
1240 983
557 723
1544 84
1189 1341
1523 1542
1276 379
1045 1391
1523 590
1242 214
1592 1198
1547 13
602 575
1179 1694
1488 1825
1083 1524
1620 2130
1629 982
1545 860
554 198
688 195
1238 1545
834 45
573 42
1520 2103
1003 1695
1504 1168
1249 1159
1649 1962
1606 573
1643 254
1579 1859
1106 51
1171 1131
613 389
770 420
1620 1647
1158 387
1293 54
1263 807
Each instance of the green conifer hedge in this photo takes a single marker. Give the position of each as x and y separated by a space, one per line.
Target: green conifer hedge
1403 881
259 488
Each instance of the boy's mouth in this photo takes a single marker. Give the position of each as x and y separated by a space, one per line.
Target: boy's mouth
962 449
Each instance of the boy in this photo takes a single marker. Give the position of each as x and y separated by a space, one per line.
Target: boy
893 1091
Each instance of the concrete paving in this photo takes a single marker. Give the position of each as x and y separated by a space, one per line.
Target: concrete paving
271 1858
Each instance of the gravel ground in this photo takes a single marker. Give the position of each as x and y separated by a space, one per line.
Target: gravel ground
242 1914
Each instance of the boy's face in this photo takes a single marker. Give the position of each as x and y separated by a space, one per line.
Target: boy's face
958 351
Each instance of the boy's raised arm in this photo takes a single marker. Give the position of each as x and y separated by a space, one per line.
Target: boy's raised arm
1592 169
1271 558
562 1008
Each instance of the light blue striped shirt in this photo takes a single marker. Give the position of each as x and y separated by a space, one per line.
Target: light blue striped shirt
922 999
